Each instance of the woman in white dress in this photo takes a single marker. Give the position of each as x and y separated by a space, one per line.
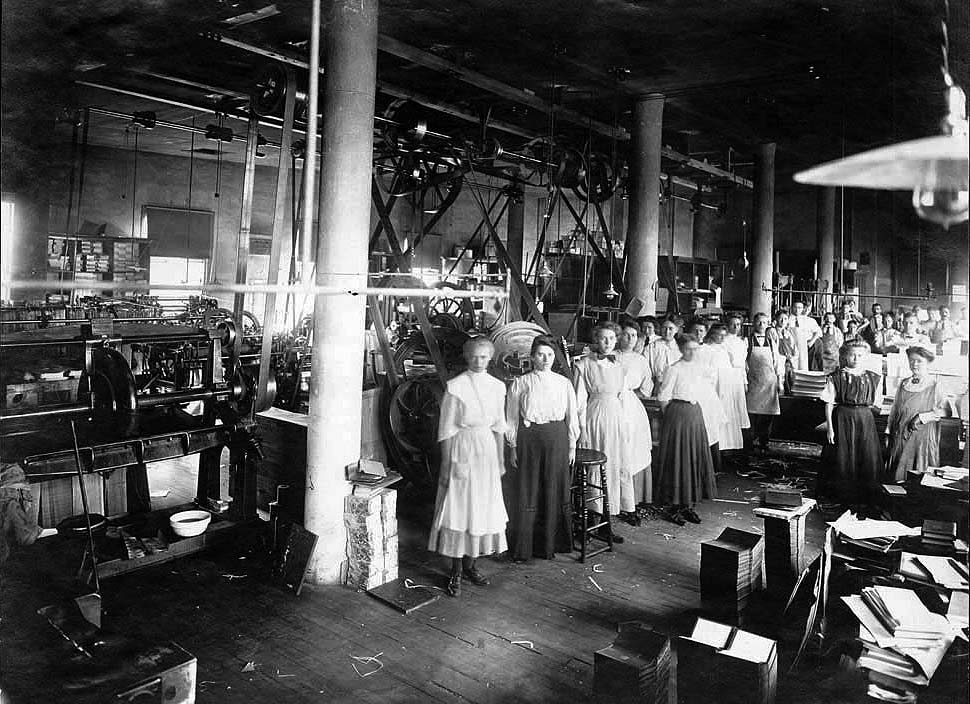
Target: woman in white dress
599 382
470 517
638 384
731 380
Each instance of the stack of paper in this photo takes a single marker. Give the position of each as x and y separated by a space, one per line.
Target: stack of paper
808 384
954 478
731 567
944 571
903 642
372 546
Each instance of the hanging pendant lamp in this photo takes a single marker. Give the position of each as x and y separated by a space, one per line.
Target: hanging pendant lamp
935 169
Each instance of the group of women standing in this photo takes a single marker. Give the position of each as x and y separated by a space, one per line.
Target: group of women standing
711 386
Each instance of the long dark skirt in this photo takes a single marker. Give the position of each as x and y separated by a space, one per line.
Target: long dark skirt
685 473
543 517
854 478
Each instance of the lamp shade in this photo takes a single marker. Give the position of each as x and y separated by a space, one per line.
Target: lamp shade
902 167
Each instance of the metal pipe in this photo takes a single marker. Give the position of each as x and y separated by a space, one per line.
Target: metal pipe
917 297
310 158
177 126
156 400
299 289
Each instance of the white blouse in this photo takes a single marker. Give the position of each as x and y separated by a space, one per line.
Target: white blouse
541 397
472 401
661 354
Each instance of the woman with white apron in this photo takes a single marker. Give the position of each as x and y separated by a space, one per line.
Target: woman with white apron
764 380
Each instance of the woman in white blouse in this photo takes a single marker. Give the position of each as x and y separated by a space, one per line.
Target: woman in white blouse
470 518
686 471
543 427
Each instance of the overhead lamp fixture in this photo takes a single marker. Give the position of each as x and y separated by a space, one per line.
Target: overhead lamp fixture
935 169
611 292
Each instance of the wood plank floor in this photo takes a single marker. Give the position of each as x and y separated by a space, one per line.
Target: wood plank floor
528 637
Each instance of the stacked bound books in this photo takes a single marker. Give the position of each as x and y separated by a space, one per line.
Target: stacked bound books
636 668
903 642
731 568
938 535
808 384
718 664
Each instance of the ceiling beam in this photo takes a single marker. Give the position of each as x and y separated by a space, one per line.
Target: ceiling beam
397 48
382 86
422 58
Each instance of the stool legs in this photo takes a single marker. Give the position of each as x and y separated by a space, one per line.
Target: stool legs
581 500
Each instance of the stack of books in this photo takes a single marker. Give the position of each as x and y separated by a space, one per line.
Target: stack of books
731 569
718 664
635 668
903 642
938 535
808 384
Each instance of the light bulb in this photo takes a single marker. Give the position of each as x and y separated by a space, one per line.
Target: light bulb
743 261
942 205
611 292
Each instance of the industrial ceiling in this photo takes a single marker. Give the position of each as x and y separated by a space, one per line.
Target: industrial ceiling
821 78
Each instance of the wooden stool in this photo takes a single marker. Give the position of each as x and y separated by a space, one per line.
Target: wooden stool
785 556
581 489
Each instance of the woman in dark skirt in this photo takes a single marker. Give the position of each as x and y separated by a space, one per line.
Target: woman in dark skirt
685 471
849 396
543 428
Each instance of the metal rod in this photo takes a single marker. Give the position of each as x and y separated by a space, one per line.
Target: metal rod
176 126
310 158
301 289
915 297
87 515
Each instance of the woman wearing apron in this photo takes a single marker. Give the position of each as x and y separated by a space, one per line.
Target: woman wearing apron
913 431
599 382
765 369
849 396
638 385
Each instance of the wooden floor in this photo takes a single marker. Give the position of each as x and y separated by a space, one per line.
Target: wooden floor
528 637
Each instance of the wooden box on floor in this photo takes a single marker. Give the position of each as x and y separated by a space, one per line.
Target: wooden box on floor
719 664
635 668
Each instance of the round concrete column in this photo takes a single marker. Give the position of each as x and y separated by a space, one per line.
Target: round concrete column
762 248
643 232
333 434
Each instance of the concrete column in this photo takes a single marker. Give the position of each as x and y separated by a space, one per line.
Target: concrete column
514 244
763 244
825 232
333 433
643 231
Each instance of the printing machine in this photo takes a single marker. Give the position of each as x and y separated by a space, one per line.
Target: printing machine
132 393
